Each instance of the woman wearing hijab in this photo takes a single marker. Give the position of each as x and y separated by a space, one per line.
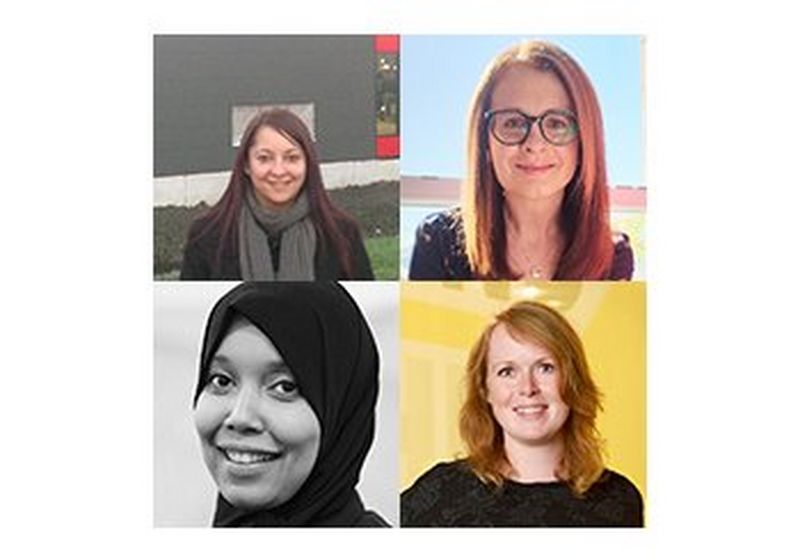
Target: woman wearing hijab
275 220
528 424
535 201
285 405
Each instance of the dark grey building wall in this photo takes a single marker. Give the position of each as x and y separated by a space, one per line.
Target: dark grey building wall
199 79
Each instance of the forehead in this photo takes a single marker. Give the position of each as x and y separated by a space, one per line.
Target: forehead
503 345
268 138
530 90
245 347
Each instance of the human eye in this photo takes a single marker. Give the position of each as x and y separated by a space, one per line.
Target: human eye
294 158
504 371
547 367
283 387
514 122
557 123
219 383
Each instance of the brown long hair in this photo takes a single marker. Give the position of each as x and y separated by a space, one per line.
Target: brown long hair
327 218
584 219
582 462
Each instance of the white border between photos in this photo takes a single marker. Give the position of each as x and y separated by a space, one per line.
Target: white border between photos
77 243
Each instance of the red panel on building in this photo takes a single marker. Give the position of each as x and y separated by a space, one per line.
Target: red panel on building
387 43
387 146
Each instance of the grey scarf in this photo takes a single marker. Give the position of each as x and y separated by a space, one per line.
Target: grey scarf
298 240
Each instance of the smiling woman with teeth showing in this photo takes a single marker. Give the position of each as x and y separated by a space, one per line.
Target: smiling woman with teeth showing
528 424
535 199
275 220
285 405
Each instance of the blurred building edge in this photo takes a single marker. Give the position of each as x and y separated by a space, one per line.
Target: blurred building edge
444 191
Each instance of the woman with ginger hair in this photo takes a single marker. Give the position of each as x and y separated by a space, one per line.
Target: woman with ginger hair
528 424
535 201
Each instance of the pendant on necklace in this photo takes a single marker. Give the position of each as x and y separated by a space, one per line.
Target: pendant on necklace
536 272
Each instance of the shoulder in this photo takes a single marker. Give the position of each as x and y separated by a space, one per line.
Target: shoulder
348 226
622 265
440 248
371 519
439 495
446 223
444 473
202 243
202 231
617 499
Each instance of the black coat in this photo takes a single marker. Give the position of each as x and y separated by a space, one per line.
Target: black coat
200 254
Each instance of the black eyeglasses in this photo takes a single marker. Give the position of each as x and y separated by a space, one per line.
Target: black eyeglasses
512 127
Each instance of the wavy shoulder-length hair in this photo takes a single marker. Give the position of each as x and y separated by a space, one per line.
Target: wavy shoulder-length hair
327 218
582 462
584 219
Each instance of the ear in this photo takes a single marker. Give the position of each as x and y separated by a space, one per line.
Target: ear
246 169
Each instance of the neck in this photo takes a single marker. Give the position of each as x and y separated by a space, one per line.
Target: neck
533 463
534 241
534 218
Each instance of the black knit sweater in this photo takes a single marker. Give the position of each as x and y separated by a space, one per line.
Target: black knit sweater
450 495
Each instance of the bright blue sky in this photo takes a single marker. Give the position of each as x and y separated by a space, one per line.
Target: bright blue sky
439 74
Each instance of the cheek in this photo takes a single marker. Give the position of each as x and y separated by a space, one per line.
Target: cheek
295 424
497 156
208 416
300 173
570 158
497 393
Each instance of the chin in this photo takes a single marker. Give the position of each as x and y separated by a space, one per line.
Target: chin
248 500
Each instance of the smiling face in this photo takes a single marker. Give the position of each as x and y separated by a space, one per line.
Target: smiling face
535 169
523 383
276 166
260 437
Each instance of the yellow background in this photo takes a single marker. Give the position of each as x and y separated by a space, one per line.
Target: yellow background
441 321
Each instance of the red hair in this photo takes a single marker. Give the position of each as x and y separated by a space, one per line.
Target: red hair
327 218
584 219
582 463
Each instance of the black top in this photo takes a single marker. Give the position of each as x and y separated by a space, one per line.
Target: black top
200 254
323 337
450 495
440 251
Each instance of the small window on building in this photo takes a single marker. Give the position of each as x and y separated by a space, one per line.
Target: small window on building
241 115
387 100
387 96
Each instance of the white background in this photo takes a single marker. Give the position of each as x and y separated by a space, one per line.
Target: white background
722 276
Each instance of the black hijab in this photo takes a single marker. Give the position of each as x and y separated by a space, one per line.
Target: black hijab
326 342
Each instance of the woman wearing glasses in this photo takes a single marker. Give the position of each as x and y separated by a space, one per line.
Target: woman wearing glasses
535 202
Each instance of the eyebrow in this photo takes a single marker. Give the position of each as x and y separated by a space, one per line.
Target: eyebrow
493 365
221 360
286 151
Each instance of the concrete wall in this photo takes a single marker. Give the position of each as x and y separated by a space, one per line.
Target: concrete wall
199 79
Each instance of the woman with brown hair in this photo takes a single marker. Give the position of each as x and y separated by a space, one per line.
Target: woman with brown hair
535 201
528 423
275 220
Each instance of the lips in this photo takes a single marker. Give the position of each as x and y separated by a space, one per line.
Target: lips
530 410
248 456
534 168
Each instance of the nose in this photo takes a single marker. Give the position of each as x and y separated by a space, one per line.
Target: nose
535 140
278 167
527 384
244 415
